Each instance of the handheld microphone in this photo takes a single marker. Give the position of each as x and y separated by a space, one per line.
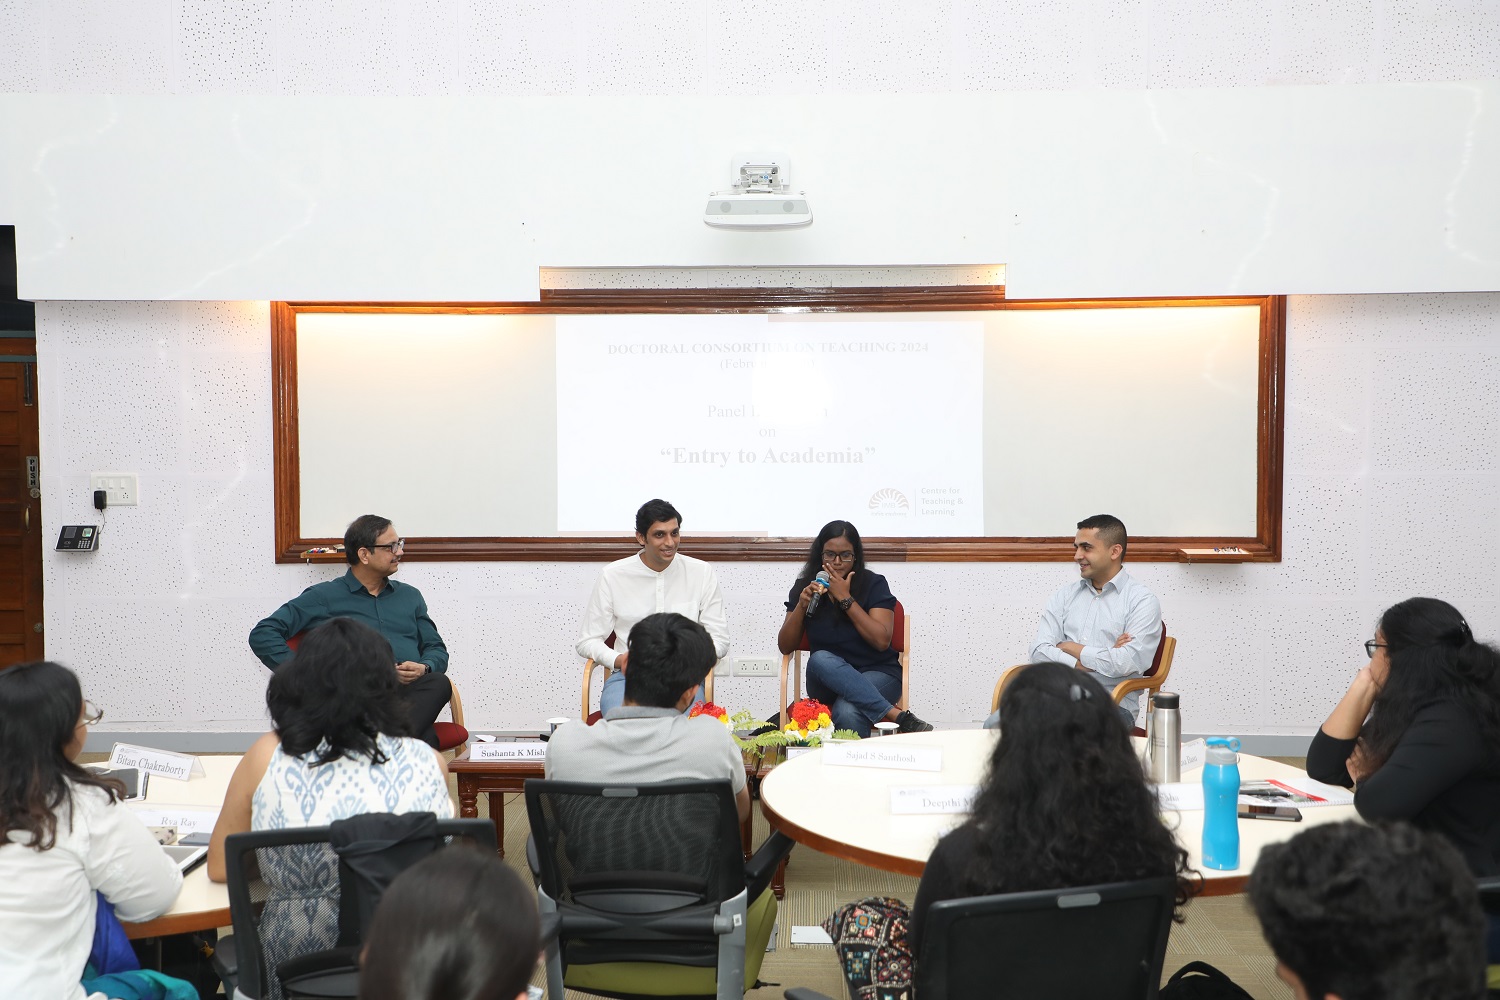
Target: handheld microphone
817 598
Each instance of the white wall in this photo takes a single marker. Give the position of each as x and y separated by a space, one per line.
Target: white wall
1392 436
444 150
1392 489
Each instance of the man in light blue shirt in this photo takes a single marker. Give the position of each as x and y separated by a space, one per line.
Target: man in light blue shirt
1106 624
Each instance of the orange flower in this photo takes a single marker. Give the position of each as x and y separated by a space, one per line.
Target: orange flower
710 709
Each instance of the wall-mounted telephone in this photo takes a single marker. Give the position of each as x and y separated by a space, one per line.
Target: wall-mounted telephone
78 538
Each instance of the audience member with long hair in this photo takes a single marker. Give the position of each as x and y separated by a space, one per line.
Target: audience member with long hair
458 925
67 837
340 747
852 666
1064 803
1417 734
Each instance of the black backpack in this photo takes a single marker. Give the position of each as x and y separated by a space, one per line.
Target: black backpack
1201 981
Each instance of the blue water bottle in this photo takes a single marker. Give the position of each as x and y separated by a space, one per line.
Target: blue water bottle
1221 795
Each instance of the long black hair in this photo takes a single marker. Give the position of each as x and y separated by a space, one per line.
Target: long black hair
458 925
1433 655
814 564
340 686
1065 802
40 705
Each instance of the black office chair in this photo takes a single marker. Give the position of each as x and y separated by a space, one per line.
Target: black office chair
652 894
1489 900
1104 942
290 940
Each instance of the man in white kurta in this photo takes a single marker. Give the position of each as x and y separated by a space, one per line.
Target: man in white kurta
656 579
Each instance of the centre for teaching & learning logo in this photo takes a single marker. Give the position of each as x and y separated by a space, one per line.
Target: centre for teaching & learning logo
889 501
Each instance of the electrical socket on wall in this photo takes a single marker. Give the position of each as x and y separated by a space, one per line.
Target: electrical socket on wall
754 666
121 488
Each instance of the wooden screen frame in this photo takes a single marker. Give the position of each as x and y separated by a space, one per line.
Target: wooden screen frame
1264 546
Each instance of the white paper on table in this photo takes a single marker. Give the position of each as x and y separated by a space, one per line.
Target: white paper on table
933 800
1321 794
186 819
1194 753
810 934
1180 795
869 753
509 751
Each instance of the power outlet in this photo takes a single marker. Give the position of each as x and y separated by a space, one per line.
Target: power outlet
754 666
121 488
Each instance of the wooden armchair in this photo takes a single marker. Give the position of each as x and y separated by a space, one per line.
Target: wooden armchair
585 711
1154 678
900 642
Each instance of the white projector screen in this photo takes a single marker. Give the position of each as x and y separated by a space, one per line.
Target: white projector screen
1009 423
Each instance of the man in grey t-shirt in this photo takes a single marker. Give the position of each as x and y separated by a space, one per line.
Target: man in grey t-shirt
648 739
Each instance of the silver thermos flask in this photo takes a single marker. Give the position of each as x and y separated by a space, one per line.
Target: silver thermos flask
1164 732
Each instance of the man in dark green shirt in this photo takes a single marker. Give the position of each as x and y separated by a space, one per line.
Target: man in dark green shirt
367 594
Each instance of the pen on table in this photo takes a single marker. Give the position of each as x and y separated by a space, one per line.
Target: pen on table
1265 793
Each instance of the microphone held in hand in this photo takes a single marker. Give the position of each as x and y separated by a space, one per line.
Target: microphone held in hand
821 581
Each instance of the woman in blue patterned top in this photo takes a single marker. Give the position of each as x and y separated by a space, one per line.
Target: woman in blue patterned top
340 747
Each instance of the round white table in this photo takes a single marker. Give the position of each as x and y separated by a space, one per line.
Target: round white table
846 811
201 904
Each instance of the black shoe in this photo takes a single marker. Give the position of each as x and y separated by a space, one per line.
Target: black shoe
908 723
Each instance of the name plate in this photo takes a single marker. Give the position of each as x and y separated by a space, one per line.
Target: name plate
938 800
1194 753
798 751
185 819
177 766
508 751
869 753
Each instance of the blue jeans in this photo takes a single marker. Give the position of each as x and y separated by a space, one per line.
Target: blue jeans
858 698
612 695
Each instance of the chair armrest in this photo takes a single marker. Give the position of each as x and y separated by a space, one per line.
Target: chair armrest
1134 684
1006 676
781 706
588 676
533 861
763 863
803 993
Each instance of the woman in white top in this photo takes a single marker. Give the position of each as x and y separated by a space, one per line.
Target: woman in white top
339 748
66 836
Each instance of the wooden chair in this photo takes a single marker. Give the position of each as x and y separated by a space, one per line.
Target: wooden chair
1154 678
588 715
900 642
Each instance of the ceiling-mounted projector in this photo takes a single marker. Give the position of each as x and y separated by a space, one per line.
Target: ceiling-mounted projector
761 197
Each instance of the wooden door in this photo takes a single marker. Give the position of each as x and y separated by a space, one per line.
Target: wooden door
20 505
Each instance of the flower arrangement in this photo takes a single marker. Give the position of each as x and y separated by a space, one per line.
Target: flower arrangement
808 718
809 724
709 709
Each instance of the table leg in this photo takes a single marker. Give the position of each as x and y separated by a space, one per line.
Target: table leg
468 797
778 881
497 816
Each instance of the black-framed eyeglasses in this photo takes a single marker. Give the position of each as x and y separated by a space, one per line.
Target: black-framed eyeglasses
91 713
830 556
1371 645
395 546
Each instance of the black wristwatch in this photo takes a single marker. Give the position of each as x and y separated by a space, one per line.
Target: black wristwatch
844 604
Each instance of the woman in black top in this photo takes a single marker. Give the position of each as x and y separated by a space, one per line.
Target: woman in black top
1064 803
852 668
1417 735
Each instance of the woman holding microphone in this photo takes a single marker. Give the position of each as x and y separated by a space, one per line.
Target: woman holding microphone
848 622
